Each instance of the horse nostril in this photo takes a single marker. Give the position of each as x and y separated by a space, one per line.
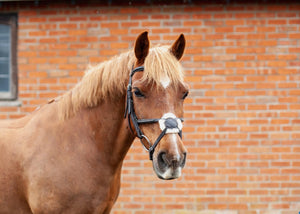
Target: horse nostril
183 160
162 160
167 161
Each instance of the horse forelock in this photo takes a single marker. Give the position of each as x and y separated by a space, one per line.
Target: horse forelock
161 64
110 78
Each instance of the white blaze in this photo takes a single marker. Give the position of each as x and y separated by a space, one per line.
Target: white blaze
165 82
174 140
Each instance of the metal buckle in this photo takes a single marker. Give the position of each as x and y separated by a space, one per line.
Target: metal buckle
143 136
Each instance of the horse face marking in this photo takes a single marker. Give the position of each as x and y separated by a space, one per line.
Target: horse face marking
165 82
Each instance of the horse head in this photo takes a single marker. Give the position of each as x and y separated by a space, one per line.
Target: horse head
155 96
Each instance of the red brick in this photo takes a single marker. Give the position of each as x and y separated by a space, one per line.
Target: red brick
235 22
37 19
224 29
235 50
244 15
48 40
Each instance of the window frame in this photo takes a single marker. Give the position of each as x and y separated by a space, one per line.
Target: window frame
11 19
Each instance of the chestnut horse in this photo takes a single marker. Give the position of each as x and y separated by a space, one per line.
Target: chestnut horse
67 156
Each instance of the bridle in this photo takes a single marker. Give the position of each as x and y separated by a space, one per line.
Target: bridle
169 124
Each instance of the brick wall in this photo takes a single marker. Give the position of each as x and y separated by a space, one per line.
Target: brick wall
242 128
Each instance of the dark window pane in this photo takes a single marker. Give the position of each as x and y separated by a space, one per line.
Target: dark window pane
4 29
8 54
4 38
4 50
4 84
4 67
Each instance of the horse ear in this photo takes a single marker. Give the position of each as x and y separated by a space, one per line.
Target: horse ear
141 47
178 46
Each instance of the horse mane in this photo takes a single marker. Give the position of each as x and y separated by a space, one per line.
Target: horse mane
110 78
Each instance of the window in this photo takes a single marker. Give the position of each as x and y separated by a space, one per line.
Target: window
8 57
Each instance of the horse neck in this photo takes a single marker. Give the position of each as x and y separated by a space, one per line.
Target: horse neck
110 130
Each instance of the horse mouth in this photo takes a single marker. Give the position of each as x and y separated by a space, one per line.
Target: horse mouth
169 174
167 170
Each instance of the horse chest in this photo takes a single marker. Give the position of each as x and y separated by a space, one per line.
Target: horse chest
88 197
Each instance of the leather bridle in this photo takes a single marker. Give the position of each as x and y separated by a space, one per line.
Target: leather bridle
169 123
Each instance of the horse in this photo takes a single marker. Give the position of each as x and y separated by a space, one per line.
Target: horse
66 157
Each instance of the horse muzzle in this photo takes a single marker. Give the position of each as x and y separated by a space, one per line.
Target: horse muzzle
168 163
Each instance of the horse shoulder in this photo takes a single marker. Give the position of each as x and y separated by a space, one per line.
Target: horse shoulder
79 176
12 196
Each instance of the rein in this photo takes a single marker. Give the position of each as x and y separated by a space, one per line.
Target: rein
169 124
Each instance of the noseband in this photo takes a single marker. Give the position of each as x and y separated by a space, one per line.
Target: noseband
168 124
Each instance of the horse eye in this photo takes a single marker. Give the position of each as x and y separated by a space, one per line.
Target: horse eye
138 93
185 95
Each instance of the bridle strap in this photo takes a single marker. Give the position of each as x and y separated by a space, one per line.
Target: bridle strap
152 148
143 121
129 110
130 113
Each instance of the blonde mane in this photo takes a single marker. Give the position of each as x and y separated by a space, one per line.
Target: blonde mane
110 78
